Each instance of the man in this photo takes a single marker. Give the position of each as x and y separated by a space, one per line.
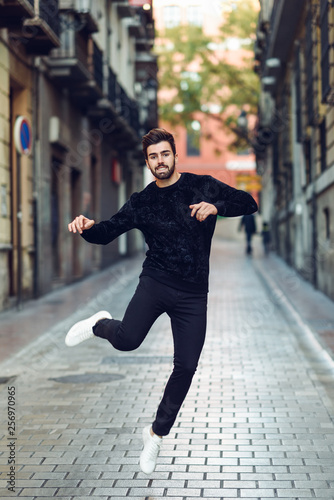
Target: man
248 221
177 215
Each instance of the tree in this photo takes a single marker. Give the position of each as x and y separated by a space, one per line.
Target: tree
199 75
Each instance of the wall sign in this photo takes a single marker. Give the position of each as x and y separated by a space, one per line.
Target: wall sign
23 135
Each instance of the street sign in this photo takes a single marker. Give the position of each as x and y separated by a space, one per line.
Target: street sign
22 135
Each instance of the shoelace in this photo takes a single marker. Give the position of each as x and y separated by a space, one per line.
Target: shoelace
153 450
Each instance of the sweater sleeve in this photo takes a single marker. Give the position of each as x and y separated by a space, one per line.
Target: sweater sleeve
106 231
231 202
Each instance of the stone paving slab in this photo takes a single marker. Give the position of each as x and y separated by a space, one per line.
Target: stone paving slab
257 423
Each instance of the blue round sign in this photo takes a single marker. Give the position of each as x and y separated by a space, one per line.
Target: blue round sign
23 135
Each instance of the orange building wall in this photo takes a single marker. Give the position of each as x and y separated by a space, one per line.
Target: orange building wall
228 167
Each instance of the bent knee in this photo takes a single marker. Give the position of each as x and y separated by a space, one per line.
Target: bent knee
185 369
126 346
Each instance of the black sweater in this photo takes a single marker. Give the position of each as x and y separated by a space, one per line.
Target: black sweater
179 245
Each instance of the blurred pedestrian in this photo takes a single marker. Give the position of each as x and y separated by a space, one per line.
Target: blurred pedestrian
266 237
249 224
177 214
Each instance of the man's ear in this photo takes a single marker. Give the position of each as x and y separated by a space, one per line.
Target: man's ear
176 158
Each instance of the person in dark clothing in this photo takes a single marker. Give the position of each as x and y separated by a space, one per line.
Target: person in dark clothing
248 222
177 215
266 238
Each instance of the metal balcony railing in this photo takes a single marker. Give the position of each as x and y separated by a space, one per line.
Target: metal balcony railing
14 12
126 107
48 10
129 110
274 13
112 88
98 65
134 117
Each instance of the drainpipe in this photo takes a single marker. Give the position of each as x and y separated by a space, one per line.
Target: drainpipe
35 173
19 230
314 239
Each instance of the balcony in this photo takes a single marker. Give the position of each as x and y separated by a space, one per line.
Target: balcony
128 110
121 109
284 22
77 65
87 93
86 12
124 9
69 64
41 33
141 27
12 12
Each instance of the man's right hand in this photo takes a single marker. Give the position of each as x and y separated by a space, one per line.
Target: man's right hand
80 223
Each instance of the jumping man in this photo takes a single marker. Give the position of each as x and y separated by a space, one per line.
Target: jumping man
177 215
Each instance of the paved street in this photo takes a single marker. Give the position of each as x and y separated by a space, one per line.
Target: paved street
257 422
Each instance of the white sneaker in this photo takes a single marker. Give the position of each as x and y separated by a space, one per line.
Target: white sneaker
83 330
149 455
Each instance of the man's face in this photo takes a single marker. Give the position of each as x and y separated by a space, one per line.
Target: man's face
161 160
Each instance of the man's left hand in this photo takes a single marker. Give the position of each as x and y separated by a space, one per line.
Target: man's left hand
203 210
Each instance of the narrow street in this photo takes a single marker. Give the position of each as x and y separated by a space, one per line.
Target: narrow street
257 422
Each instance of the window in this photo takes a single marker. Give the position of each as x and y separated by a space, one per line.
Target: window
307 153
327 223
324 25
193 138
194 15
172 16
323 145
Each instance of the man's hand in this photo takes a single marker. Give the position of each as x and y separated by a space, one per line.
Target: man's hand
203 210
80 223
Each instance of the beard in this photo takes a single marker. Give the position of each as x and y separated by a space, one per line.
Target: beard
165 174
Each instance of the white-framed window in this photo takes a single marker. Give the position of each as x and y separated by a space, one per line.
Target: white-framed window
172 16
194 15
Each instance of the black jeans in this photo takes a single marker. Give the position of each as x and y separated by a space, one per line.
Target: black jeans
187 312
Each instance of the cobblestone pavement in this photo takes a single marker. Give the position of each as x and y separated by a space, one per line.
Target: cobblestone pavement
257 422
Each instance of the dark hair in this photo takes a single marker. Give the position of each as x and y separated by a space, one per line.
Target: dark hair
155 136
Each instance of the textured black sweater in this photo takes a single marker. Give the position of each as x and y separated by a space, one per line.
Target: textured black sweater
178 244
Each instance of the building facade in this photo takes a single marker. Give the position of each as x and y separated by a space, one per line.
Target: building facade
294 56
82 72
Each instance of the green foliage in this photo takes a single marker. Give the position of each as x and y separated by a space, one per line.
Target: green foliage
197 71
